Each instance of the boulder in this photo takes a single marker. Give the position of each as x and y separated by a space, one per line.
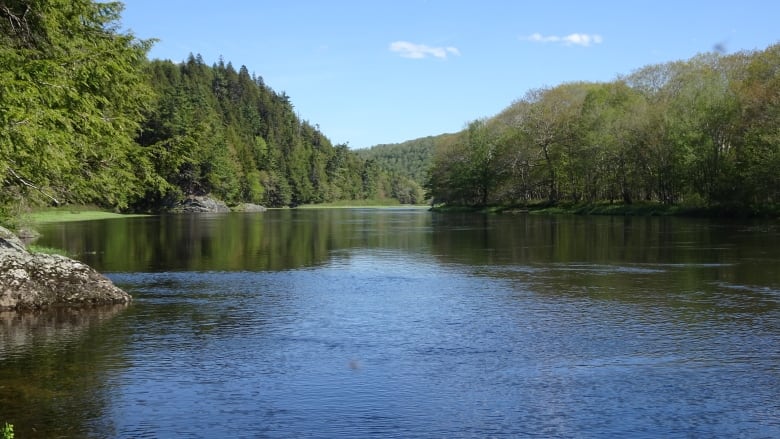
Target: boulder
249 207
199 204
36 281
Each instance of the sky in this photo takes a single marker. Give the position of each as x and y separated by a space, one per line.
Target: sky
371 72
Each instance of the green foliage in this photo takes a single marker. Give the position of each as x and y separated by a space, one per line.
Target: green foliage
8 431
71 96
86 118
47 250
411 159
702 133
213 130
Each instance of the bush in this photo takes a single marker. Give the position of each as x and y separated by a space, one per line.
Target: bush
8 431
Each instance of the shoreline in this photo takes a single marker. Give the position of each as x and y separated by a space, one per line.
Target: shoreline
622 209
72 214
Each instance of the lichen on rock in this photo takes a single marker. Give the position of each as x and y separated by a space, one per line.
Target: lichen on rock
36 281
200 204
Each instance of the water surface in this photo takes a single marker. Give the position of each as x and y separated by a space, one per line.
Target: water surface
403 323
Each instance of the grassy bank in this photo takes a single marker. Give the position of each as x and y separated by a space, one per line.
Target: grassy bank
32 248
64 214
621 209
346 204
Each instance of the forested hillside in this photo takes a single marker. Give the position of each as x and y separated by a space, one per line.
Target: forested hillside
411 159
221 131
85 117
701 132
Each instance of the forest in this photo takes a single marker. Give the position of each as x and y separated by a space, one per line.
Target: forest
411 158
703 132
87 118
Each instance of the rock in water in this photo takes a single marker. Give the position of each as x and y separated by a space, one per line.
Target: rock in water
35 281
199 204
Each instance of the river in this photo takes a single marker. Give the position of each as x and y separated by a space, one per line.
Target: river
363 323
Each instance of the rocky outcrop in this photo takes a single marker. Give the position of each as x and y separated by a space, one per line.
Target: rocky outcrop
200 204
35 281
249 207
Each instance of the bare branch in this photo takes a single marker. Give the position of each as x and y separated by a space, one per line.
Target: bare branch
27 183
18 23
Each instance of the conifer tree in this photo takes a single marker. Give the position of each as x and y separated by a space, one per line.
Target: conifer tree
71 94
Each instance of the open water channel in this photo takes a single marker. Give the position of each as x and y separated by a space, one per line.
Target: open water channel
363 323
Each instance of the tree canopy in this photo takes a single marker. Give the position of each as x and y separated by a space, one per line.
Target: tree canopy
702 132
86 118
71 100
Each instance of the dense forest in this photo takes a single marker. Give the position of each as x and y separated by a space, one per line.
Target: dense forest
702 132
411 159
221 131
86 118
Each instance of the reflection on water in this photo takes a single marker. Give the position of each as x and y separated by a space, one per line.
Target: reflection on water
402 323
275 240
53 369
54 326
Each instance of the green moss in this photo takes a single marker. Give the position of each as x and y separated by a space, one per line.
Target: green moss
47 250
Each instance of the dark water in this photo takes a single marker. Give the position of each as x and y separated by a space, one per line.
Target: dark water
403 323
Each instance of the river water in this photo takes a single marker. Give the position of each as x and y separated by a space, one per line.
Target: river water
403 323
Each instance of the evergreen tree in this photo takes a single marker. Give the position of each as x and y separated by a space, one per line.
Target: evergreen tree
71 95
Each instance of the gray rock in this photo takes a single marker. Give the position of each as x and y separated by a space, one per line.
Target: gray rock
10 242
35 281
249 207
200 204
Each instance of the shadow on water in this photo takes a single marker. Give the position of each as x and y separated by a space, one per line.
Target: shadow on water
54 362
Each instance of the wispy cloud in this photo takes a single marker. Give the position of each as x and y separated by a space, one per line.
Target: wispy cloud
575 39
420 51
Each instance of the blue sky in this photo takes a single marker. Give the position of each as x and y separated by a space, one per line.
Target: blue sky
370 72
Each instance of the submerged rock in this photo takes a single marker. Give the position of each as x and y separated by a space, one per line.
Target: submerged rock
35 281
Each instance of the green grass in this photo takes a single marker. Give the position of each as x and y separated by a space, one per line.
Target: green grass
619 209
32 248
346 204
622 209
71 214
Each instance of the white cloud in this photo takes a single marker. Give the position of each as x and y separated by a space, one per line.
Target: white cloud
420 51
575 39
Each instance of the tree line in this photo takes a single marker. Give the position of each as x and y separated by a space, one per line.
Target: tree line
86 118
411 158
221 131
701 132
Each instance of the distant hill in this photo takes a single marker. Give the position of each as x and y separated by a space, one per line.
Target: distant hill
411 159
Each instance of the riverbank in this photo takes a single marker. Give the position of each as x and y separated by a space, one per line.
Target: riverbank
347 204
72 214
622 209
